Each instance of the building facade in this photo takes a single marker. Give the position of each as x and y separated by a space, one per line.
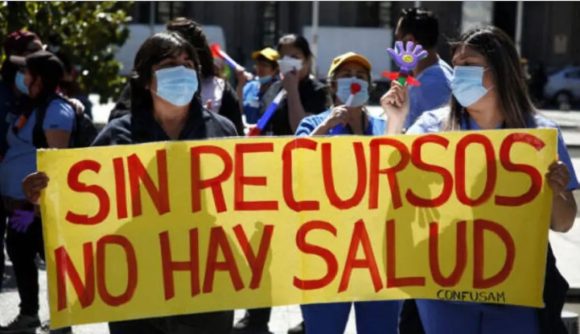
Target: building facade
547 31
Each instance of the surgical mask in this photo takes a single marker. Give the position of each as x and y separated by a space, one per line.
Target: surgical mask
265 79
288 64
467 84
343 91
176 85
20 85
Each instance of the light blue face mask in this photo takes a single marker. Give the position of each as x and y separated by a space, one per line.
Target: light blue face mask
265 79
467 84
176 85
343 91
19 82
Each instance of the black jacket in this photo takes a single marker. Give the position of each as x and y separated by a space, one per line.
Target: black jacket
230 107
315 99
143 128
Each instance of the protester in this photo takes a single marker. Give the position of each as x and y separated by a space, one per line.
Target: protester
165 105
47 123
18 43
422 27
251 93
216 93
489 93
346 70
305 96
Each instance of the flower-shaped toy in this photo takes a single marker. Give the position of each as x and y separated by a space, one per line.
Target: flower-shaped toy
407 59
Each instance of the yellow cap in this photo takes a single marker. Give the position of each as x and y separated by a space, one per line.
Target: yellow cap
346 57
267 53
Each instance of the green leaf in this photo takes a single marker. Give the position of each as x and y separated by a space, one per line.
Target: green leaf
85 31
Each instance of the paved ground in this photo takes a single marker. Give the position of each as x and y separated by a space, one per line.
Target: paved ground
566 247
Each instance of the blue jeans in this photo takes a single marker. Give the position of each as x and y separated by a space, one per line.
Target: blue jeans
371 317
442 317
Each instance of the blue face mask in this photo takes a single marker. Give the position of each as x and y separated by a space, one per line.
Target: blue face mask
343 91
19 82
265 79
176 85
467 84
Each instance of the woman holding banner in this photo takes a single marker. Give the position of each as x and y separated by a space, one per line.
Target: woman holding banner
489 92
46 122
350 78
252 92
165 105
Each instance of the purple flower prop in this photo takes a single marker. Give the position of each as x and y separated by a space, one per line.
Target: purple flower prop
407 58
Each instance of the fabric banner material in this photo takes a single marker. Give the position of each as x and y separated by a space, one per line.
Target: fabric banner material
184 227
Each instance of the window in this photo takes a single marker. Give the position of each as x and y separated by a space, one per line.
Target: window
163 11
385 9
270 26
374 14
168 10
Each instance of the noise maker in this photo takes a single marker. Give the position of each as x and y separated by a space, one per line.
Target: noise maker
263 121
407 59
216 51
354 88
402 78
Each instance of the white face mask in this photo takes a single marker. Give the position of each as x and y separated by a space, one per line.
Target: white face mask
288 64
343 91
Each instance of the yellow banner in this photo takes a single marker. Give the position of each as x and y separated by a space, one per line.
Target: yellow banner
183 227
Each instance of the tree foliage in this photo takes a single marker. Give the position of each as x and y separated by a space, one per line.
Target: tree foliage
87 33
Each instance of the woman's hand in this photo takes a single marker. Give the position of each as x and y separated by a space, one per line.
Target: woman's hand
78 106
290 81
242 77
395 104
563 201
33 184
558 177
338 115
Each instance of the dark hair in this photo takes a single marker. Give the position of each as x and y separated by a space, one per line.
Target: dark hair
155 49
50 79
192 32
504 64
422 24
17 43
48 68
296 41
8 72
